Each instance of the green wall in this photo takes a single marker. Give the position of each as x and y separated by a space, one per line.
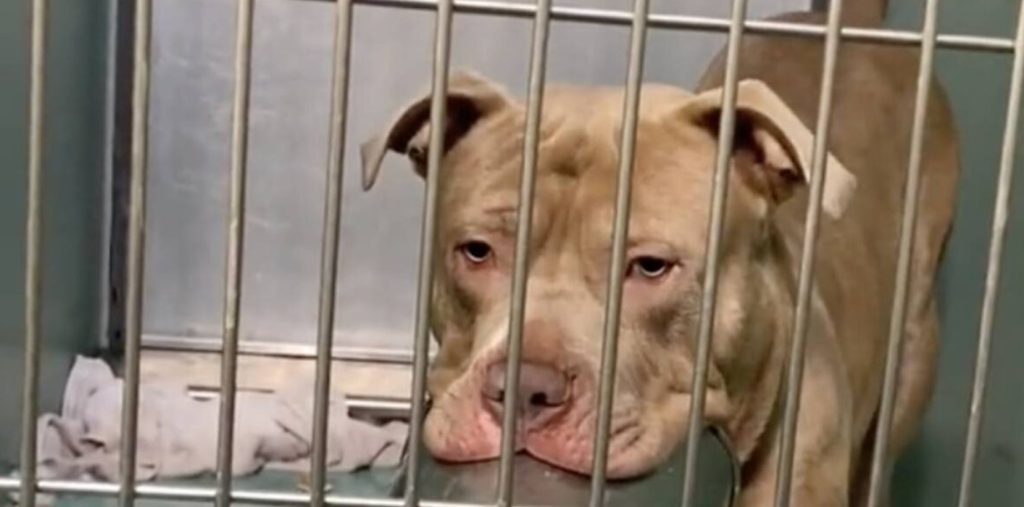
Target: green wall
978 85
74 196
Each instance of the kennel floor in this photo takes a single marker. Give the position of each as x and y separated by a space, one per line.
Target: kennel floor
535 483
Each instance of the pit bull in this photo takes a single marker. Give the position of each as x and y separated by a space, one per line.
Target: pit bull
673 168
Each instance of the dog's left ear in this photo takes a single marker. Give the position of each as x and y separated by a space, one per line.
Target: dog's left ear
778 146
470 98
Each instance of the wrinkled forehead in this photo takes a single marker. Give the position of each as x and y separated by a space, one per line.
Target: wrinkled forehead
577 167
670 186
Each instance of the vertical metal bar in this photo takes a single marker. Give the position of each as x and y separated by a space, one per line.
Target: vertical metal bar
123 68
33 253
110 136
235 250
716 224
795 362
524 222
897 323
617 265
995 255
329 248
136 252
421 347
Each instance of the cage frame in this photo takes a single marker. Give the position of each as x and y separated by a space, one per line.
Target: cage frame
129 151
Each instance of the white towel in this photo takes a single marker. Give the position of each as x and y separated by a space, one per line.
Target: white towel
177 433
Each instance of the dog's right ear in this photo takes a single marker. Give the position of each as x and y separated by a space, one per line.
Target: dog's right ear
470 98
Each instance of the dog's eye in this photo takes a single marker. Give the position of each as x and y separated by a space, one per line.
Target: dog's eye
476 251
649 267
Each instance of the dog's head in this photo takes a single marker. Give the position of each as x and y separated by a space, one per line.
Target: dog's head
569 255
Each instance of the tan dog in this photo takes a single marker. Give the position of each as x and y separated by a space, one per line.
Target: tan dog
570 249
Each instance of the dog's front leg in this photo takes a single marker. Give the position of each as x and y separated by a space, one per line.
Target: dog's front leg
821 484
822 453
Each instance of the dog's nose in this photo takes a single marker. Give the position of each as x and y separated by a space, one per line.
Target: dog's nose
542 388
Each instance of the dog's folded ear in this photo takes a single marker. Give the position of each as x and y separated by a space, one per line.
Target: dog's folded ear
470 97
776 146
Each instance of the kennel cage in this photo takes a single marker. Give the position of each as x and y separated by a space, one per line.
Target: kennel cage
79 229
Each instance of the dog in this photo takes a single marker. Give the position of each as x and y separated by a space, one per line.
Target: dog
769 172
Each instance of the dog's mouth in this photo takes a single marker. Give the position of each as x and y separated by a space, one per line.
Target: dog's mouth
462 429
625 457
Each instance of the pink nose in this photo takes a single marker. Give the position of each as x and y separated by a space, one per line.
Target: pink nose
542 389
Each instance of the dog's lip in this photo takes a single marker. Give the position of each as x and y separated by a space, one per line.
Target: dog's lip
619 464
566 442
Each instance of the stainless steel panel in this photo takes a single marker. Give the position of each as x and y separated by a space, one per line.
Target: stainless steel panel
291 78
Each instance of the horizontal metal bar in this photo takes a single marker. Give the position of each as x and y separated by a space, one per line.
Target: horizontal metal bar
378 407
277 349
207 494
359 406
702 23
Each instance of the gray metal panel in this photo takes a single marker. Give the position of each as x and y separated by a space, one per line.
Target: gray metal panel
73 198
290 100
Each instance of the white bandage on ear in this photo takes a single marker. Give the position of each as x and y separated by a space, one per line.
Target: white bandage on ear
789 139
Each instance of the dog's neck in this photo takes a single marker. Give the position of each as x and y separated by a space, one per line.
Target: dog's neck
759 407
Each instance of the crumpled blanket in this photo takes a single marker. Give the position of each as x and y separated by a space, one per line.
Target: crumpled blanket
177 433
